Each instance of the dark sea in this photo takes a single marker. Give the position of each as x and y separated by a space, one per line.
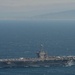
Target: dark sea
23 39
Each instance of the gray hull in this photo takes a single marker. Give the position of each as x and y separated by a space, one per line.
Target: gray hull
44 63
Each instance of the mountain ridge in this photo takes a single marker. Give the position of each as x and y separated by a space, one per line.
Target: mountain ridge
59 15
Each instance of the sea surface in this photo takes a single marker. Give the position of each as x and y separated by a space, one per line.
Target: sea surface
23 39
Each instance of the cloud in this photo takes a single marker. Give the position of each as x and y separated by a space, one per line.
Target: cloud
32 2
27 5
27 8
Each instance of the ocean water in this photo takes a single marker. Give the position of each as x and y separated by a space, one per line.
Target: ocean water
23 39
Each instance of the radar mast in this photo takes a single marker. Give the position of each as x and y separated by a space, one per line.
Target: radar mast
42 47
42 54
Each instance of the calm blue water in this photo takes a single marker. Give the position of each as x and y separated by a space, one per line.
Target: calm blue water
23 39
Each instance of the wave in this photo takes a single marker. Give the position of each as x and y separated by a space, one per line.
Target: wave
70 63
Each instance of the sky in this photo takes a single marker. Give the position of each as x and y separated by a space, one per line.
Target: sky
21 9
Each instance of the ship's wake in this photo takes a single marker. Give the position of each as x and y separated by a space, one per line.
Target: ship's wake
70 63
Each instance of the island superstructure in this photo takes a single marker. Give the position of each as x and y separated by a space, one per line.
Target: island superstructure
42 60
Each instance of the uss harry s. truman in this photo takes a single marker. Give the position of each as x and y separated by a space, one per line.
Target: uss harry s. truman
42 60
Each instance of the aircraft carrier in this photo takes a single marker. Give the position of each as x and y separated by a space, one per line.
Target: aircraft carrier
42 60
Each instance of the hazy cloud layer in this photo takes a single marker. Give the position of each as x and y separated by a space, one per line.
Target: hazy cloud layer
30 8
